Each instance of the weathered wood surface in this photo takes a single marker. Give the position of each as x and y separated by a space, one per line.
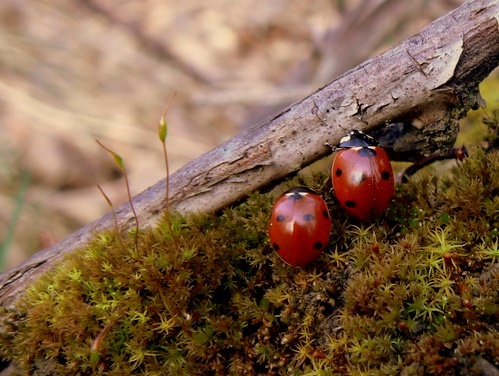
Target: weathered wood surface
427 82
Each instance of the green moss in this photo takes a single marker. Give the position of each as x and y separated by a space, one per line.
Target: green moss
416 292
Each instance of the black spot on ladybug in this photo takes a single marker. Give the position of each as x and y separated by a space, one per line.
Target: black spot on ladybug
367 152
338 172
325 214
276 246
280 218
318 245
385 175
350 204
308 217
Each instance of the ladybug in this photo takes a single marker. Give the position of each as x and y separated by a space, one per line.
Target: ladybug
299 226
362 176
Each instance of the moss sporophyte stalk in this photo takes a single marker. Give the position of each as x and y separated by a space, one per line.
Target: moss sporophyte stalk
416 292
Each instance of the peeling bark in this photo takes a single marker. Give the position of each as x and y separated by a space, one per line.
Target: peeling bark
424 85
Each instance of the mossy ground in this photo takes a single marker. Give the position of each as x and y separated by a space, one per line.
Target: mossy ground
417 292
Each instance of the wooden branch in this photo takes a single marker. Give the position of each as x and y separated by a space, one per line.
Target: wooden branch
426 82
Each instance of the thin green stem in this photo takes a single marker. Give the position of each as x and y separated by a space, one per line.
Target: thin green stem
19 200
116 227
121 164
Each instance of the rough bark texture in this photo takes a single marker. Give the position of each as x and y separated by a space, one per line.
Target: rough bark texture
422 87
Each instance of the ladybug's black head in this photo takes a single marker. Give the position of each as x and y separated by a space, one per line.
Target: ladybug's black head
355 139
298 192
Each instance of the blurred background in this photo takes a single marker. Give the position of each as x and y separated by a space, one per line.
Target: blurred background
72 71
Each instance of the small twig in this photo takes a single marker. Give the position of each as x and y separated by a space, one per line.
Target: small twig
455 153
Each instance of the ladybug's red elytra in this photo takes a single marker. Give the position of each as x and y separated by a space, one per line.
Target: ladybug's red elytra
362 176
299 226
